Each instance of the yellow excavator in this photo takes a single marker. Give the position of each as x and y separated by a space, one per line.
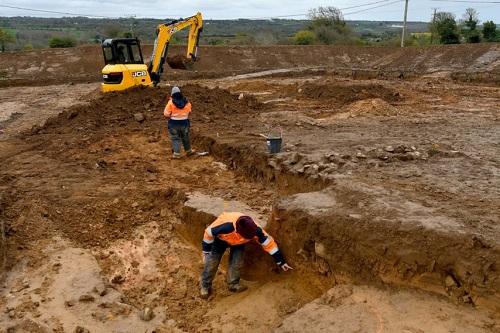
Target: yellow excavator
124 66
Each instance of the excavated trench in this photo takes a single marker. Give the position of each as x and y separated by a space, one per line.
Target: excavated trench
319 223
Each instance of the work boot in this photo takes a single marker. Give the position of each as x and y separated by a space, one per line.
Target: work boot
237 288
205 292
190 152
176 156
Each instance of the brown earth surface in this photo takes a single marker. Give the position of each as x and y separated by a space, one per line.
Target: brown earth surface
469 63
385 198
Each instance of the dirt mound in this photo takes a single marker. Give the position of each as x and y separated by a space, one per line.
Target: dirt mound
344 94
367 107
118 108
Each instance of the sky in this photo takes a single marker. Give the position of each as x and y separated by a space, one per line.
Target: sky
379 10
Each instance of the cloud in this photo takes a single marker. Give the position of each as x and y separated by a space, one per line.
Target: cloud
223 9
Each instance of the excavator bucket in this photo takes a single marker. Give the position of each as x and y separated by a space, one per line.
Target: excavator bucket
180 62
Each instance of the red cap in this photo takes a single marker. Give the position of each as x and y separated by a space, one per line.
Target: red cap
246 227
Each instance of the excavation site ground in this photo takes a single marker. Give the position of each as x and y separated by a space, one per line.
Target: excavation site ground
385 197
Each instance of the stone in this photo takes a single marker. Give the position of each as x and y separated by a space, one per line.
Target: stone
295 158
449 282
72 114
86 298
320 250
139 117
219 165
80 329
389 149
101 164
101 290
241 96
273 164
118 279
135 204
24 285
146 314
415 154
400 149
467 299
405 157
360 155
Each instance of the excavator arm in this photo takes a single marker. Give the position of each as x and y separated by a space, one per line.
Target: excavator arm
164 33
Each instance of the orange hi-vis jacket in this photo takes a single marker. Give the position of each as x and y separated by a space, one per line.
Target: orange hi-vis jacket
224 228
175 113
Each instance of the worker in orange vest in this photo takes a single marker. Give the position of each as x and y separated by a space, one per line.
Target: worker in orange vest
177 112
233 230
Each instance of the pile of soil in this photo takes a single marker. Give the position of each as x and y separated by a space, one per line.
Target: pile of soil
367 107
118 108
340 95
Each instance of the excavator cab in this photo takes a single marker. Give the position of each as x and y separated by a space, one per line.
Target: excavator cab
123 57
122 51
124 65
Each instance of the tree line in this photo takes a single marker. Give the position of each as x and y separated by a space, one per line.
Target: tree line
325 25
445 26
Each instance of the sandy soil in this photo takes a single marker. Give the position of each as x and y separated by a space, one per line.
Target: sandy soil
384 199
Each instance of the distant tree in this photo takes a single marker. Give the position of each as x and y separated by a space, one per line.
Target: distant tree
61 42
471 18
243 38
113 31
5 38
265 38
304 37
327 16
329 26
446 27
469 26
490 33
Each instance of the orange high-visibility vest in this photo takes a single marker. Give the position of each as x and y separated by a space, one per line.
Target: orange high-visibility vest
174 113
224 228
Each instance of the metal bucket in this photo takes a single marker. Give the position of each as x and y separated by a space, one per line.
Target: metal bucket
274 145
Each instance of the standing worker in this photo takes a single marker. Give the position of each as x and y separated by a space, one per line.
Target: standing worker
177 112
233 230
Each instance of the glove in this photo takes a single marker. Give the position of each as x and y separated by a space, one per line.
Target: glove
285 267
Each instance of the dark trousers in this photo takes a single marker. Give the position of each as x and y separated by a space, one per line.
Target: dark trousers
212 261
179 133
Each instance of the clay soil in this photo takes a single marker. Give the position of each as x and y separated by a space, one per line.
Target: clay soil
385 199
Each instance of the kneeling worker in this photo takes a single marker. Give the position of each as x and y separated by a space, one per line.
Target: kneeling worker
233 230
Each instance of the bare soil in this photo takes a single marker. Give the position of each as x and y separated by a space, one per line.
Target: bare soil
385 200
465 63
